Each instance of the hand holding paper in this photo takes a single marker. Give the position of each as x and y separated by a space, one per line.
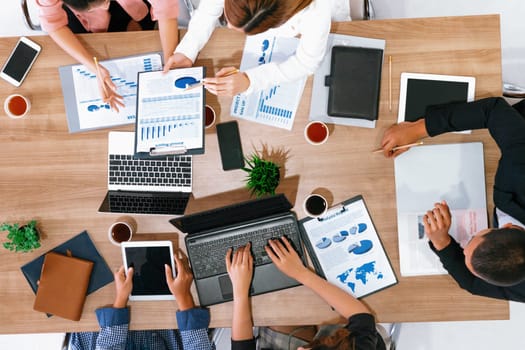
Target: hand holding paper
177 60
437 224
107 88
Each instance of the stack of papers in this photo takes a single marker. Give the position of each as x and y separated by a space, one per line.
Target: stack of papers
277 105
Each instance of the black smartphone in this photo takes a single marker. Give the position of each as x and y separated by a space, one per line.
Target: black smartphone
20 61
230 145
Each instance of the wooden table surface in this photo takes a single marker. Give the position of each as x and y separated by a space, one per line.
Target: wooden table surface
60 178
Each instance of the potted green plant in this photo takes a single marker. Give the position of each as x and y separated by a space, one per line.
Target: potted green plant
263 175
23 238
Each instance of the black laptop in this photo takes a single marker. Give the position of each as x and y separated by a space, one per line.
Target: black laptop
211 233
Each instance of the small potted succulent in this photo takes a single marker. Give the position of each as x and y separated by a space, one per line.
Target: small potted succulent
23 238
263 175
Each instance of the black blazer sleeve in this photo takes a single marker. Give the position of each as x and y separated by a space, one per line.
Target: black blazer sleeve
507 126
453 261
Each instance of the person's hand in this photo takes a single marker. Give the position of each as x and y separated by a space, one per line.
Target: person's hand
402 134
180 285
123 286
285 258
240 269
227 84
437 224
108 90
177 60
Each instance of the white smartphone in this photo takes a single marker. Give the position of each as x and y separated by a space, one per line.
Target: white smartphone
20 61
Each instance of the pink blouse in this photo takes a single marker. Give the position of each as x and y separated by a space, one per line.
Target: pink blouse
54 17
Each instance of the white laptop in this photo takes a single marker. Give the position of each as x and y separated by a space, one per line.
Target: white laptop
160 185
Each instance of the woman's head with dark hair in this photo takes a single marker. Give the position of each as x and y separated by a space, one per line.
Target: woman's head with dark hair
257 16
340 339
498 255
85 5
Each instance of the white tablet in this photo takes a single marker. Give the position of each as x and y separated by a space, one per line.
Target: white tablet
417 91
147 259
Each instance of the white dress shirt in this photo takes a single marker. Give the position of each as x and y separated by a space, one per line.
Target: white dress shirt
312 25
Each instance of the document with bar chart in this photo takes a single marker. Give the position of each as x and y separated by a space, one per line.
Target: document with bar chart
85 108
170 117
277 105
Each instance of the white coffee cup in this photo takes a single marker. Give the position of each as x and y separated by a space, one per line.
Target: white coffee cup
315 205
122 230
316 132
209 116
17 106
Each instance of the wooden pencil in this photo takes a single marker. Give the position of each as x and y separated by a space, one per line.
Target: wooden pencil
400 147
390 83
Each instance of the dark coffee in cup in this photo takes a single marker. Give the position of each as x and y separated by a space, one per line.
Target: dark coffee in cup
209 119
121 232
315 205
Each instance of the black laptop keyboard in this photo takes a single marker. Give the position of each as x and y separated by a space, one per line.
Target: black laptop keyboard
125 169
207 258
148 202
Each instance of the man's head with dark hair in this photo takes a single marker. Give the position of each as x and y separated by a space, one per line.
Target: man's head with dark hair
498 255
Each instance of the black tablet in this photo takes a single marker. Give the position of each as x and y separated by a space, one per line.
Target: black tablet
418 91
148 259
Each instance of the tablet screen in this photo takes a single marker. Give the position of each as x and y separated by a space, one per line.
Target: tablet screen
417 91
422 93
149 277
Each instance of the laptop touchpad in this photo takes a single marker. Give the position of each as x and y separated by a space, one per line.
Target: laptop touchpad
226 287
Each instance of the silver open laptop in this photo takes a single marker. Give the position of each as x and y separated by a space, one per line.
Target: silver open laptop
160 185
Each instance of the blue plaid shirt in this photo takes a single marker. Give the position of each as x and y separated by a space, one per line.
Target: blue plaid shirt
114 334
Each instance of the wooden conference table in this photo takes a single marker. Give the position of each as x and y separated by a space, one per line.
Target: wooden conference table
60 178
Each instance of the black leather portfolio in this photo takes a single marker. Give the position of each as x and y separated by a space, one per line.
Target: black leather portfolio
354 82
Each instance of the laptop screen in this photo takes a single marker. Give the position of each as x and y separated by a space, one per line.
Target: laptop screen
232 214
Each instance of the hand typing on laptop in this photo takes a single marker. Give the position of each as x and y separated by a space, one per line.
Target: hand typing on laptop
287 260
240 269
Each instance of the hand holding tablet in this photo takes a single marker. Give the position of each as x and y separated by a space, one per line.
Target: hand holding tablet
148 259
181 283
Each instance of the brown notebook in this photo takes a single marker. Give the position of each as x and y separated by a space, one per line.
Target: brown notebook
63 286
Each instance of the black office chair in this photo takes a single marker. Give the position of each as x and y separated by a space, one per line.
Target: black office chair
513 91
361 10
27 16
